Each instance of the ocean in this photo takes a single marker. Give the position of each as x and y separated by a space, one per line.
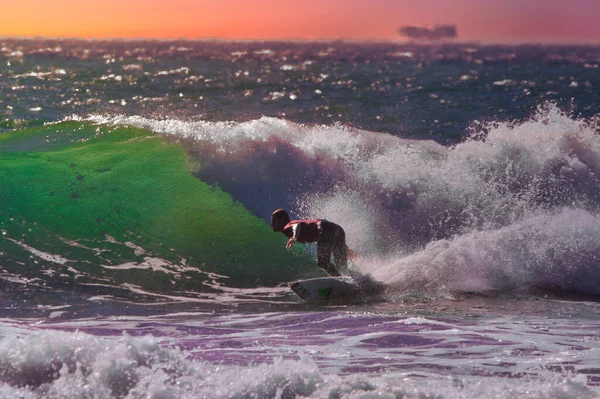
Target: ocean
137 179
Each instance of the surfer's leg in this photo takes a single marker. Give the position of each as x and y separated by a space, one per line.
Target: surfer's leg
340 250
324 248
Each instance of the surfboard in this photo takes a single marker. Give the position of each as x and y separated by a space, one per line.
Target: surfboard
329 288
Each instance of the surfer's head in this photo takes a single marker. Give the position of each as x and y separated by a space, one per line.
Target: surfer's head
279 219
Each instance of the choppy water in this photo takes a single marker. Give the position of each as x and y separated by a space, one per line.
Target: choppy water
136 180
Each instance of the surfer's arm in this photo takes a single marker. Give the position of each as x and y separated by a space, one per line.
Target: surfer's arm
294 238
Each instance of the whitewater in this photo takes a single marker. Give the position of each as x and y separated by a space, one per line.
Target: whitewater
137 180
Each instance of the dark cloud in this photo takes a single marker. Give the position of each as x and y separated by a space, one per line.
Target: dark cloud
438 32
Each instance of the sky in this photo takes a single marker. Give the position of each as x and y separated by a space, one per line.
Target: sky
555 21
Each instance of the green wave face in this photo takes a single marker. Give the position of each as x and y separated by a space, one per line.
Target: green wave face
89 204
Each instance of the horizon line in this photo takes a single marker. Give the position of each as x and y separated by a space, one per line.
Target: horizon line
400 40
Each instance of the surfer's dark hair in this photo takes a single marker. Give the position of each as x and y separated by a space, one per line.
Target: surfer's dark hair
280 214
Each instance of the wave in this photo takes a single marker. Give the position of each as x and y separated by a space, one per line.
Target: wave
91 206
155 206
518 202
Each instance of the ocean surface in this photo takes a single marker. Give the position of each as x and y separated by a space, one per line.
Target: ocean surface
137 179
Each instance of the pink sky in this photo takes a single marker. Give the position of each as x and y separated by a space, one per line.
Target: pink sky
573 21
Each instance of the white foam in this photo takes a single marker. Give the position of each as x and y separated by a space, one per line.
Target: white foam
41 254
149 263
50 364
546 250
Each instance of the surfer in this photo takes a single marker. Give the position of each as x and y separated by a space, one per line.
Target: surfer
330 239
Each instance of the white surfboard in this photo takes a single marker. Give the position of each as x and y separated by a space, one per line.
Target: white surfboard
328 288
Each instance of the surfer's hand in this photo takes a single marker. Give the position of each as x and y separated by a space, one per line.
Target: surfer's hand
290 243
351 254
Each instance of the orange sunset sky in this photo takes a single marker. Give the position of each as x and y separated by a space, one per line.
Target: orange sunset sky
571 21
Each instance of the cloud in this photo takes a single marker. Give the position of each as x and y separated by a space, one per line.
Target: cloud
438 32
